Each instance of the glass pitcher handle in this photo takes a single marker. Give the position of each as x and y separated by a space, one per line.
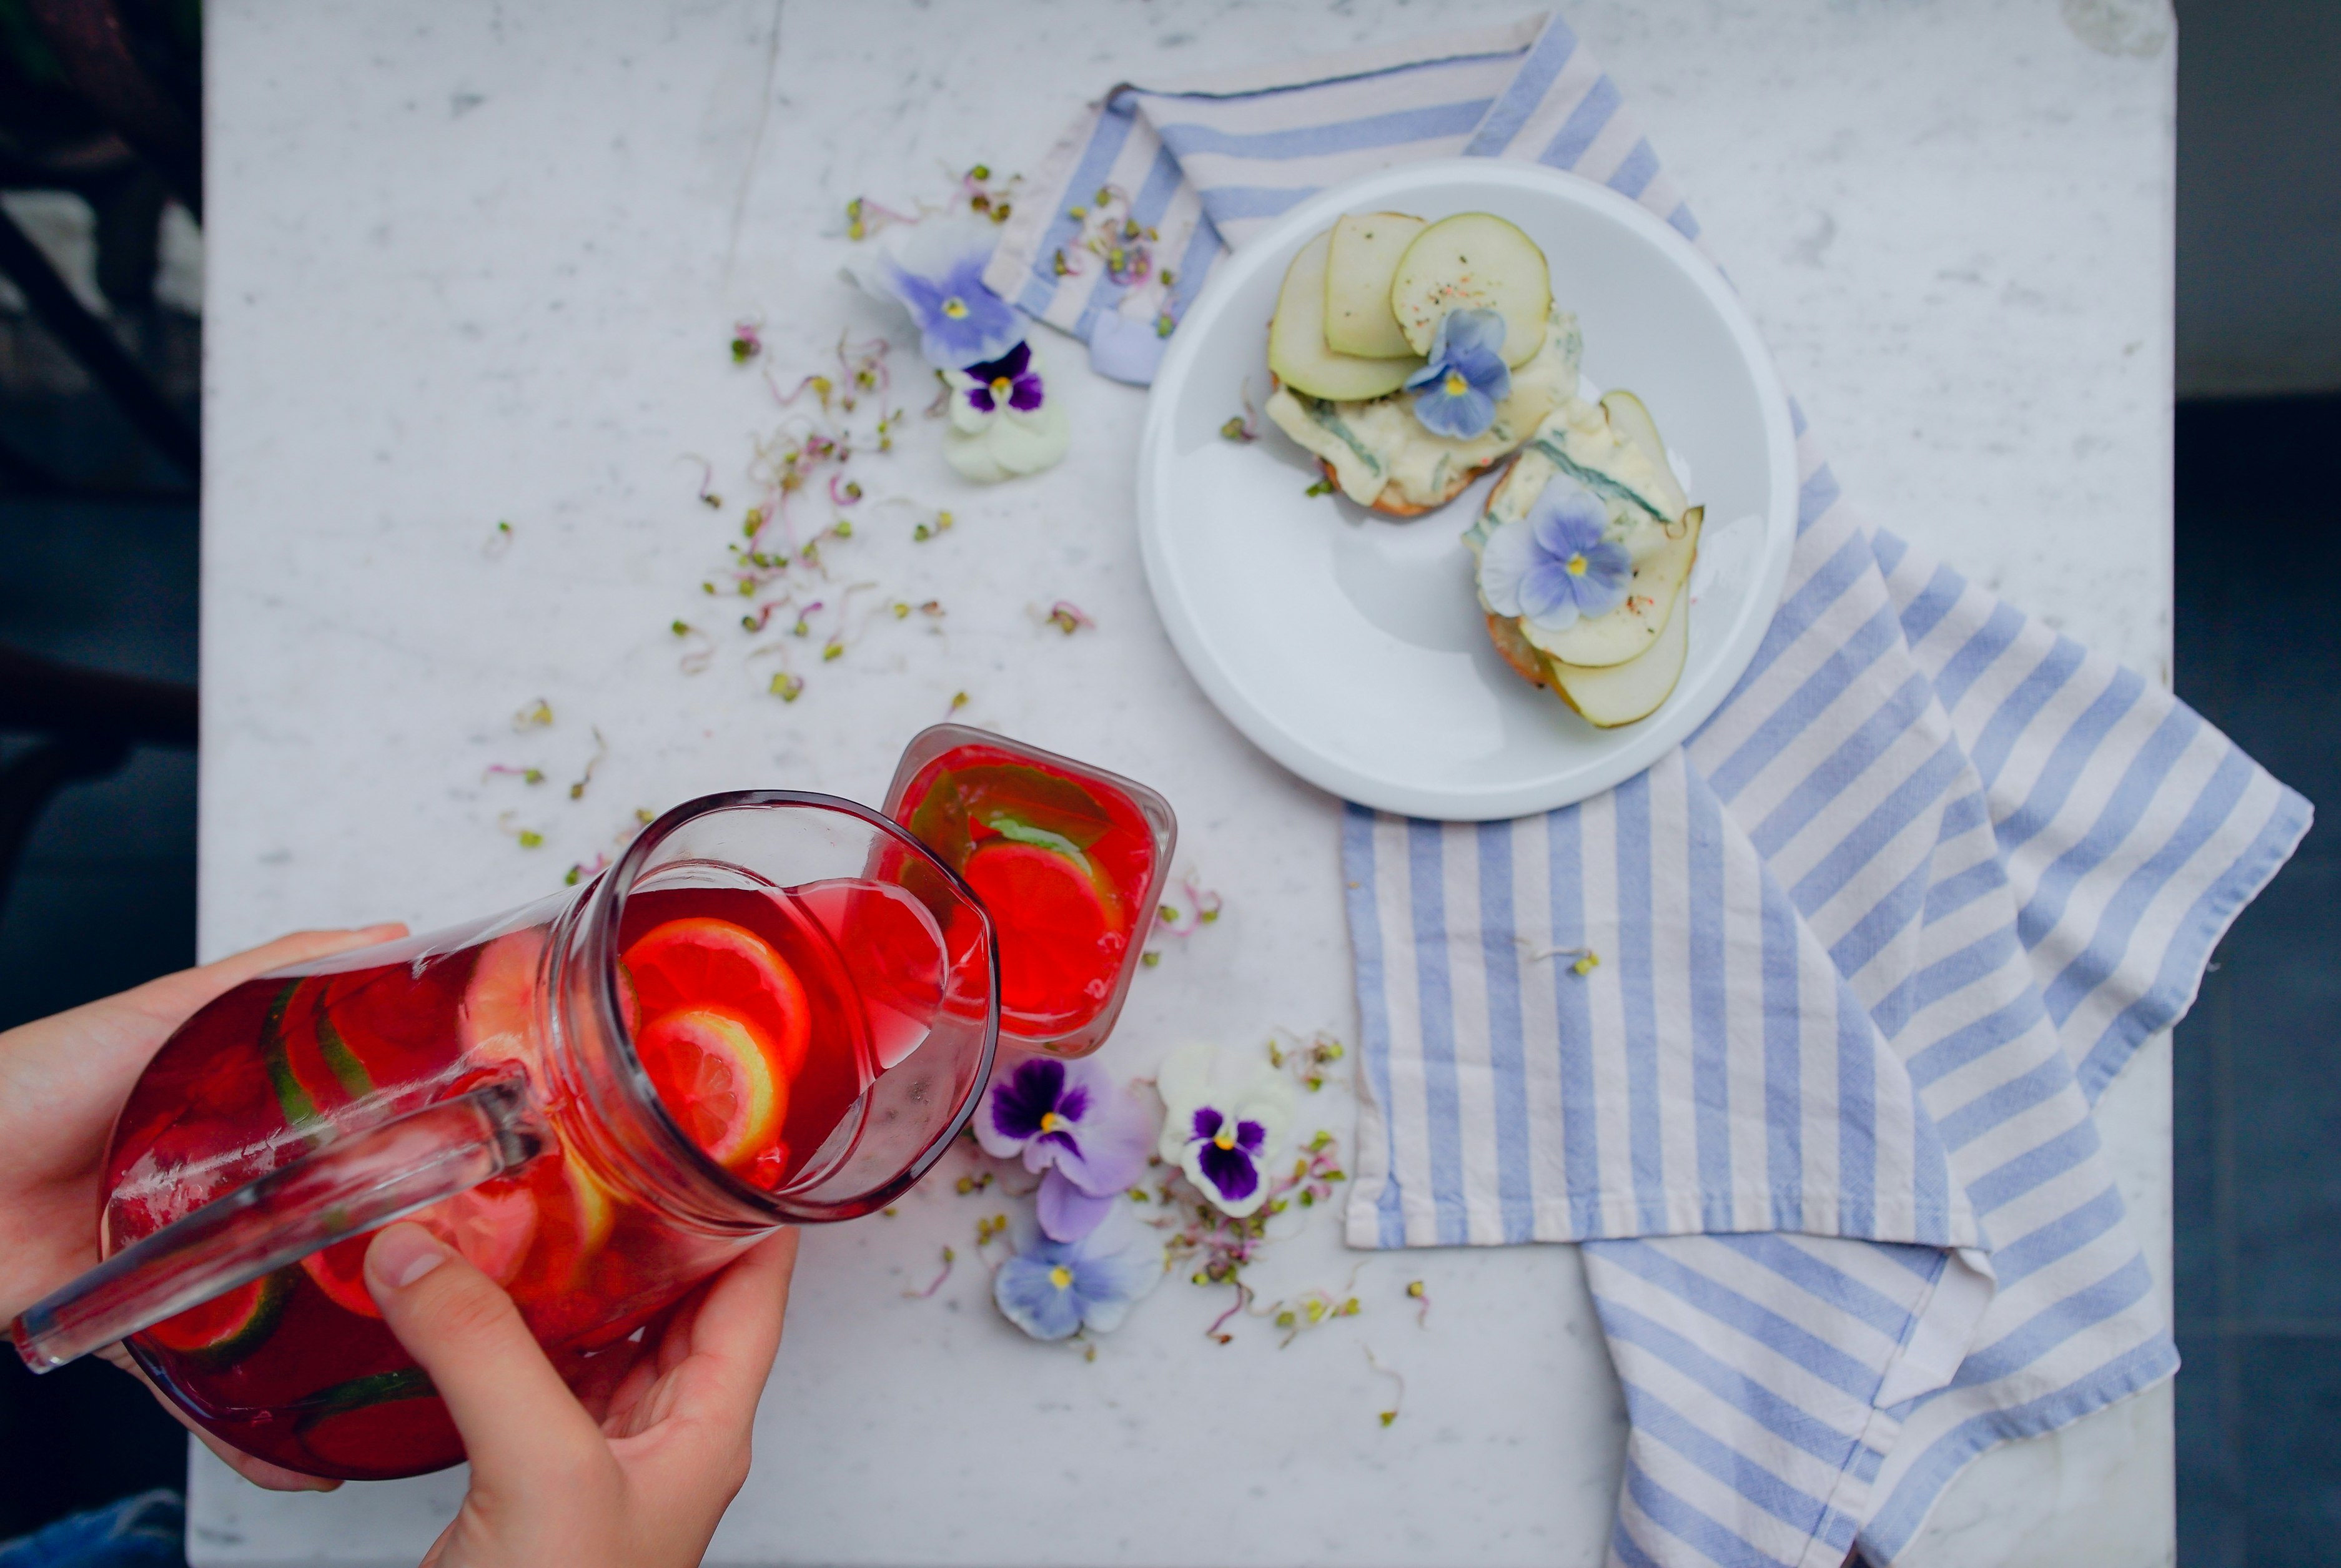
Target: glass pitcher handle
356 1184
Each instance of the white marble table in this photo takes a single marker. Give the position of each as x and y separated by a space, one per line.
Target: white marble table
470 263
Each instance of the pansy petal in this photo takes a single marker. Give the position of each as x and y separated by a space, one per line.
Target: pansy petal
1066 1212
1114 1135
1014 1104
1549 595
1568 522
1470 333
1228 1174
1118 1268
1008 366
1508 556
1025 392
1028 1293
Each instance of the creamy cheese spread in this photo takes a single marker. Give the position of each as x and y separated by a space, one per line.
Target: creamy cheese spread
1380 445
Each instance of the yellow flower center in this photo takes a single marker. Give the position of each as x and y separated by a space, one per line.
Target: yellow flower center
1051 1121
1455 385
955 308
1576 566
1000 387
1062 1278
1226 1140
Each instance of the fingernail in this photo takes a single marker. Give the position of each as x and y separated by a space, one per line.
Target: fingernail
403 1254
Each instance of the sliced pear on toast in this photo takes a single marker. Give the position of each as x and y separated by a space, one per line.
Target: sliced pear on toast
1358 271
1622 693
1296 340
1473 260
1636 626
1633 422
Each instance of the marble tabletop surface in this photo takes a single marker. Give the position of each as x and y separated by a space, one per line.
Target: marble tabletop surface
479 263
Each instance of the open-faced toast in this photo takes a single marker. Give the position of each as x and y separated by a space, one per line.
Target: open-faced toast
1360 378
1621 665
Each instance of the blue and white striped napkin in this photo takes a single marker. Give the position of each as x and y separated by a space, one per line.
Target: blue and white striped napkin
1870 944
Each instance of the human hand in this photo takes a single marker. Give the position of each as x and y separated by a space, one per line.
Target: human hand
637 1467
63 1079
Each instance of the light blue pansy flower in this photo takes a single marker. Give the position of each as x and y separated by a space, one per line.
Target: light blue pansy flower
1455 393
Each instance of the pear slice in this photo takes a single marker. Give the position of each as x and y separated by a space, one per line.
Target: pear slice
1621 693
1296 340
1473 260
1635 627
1357 273
1633 422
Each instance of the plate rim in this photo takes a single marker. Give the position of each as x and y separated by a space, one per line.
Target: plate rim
1569 785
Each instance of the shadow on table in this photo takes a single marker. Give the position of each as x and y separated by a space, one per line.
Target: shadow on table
2257 1087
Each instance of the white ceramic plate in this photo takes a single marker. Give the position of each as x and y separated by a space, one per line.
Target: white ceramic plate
1350 646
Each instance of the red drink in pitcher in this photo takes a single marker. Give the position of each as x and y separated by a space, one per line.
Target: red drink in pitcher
1069 860
656 1070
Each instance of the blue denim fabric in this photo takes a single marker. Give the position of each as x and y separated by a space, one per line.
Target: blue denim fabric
148 1530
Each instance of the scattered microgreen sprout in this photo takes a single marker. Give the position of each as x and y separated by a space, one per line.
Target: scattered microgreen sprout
707 496
977 1182
959 700
1322 487
1587 960
1109 233
701 651
1183 921
788 687
601 753
1311 1309
746 344
504 769
1306 1059
1390 1415
1417 1290
537 715
1067 617
584 871
1243 428
950 1257
499 540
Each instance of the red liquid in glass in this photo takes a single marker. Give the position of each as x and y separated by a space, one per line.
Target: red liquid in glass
1064 863
298 1366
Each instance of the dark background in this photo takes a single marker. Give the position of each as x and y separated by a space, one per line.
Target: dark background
98 565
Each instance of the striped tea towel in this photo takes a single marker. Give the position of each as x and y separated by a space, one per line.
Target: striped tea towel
1870 945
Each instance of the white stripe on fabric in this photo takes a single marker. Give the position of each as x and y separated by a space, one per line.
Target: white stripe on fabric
1869 943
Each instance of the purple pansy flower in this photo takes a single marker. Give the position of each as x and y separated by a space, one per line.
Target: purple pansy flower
1227 1120
939 278
1455 393
1555 564
1085 1136
1007 382
1053 1289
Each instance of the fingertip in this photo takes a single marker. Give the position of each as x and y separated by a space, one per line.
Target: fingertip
400 1257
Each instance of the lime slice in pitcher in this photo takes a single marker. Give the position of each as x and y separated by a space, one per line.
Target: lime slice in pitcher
717 1073
701 961
224 1327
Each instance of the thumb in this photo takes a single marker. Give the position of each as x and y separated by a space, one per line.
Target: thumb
520 1423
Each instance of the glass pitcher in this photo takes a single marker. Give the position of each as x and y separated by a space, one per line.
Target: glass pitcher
754 1018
